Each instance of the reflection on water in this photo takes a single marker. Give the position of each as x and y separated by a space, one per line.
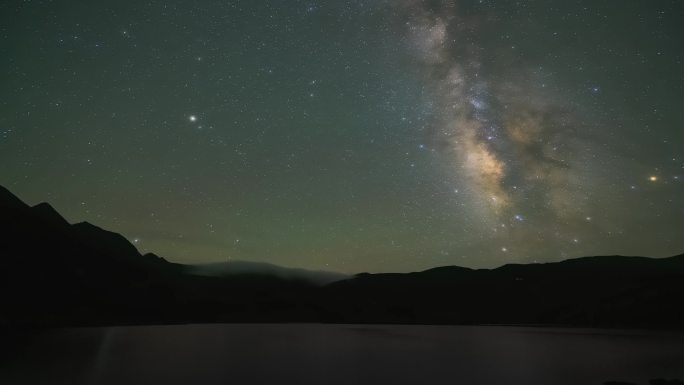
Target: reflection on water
343 354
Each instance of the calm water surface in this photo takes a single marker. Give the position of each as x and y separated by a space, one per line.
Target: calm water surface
343 354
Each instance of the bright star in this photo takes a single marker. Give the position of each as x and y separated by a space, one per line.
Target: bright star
192 118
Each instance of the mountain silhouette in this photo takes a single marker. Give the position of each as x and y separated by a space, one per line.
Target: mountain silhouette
607 291
55 273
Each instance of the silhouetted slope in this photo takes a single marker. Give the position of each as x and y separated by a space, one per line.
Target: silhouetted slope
51 269
9 202
54 273
601 291
57 273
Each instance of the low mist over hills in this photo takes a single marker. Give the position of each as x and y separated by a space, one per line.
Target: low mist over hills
55 273
232 268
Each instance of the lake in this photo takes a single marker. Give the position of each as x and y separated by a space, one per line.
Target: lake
342 354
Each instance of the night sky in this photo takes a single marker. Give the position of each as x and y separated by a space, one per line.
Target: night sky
352 135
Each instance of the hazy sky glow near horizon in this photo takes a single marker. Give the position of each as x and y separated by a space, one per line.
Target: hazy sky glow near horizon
363 135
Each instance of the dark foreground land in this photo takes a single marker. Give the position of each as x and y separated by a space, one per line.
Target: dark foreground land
344 354
58 274
330 329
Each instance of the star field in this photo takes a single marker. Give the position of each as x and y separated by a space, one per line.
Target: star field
367 135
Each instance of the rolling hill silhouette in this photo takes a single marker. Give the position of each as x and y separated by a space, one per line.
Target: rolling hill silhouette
56 273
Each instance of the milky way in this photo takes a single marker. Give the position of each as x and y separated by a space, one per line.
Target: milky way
496 129
360 135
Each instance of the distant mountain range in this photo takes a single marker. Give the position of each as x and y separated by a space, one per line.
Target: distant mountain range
55 273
